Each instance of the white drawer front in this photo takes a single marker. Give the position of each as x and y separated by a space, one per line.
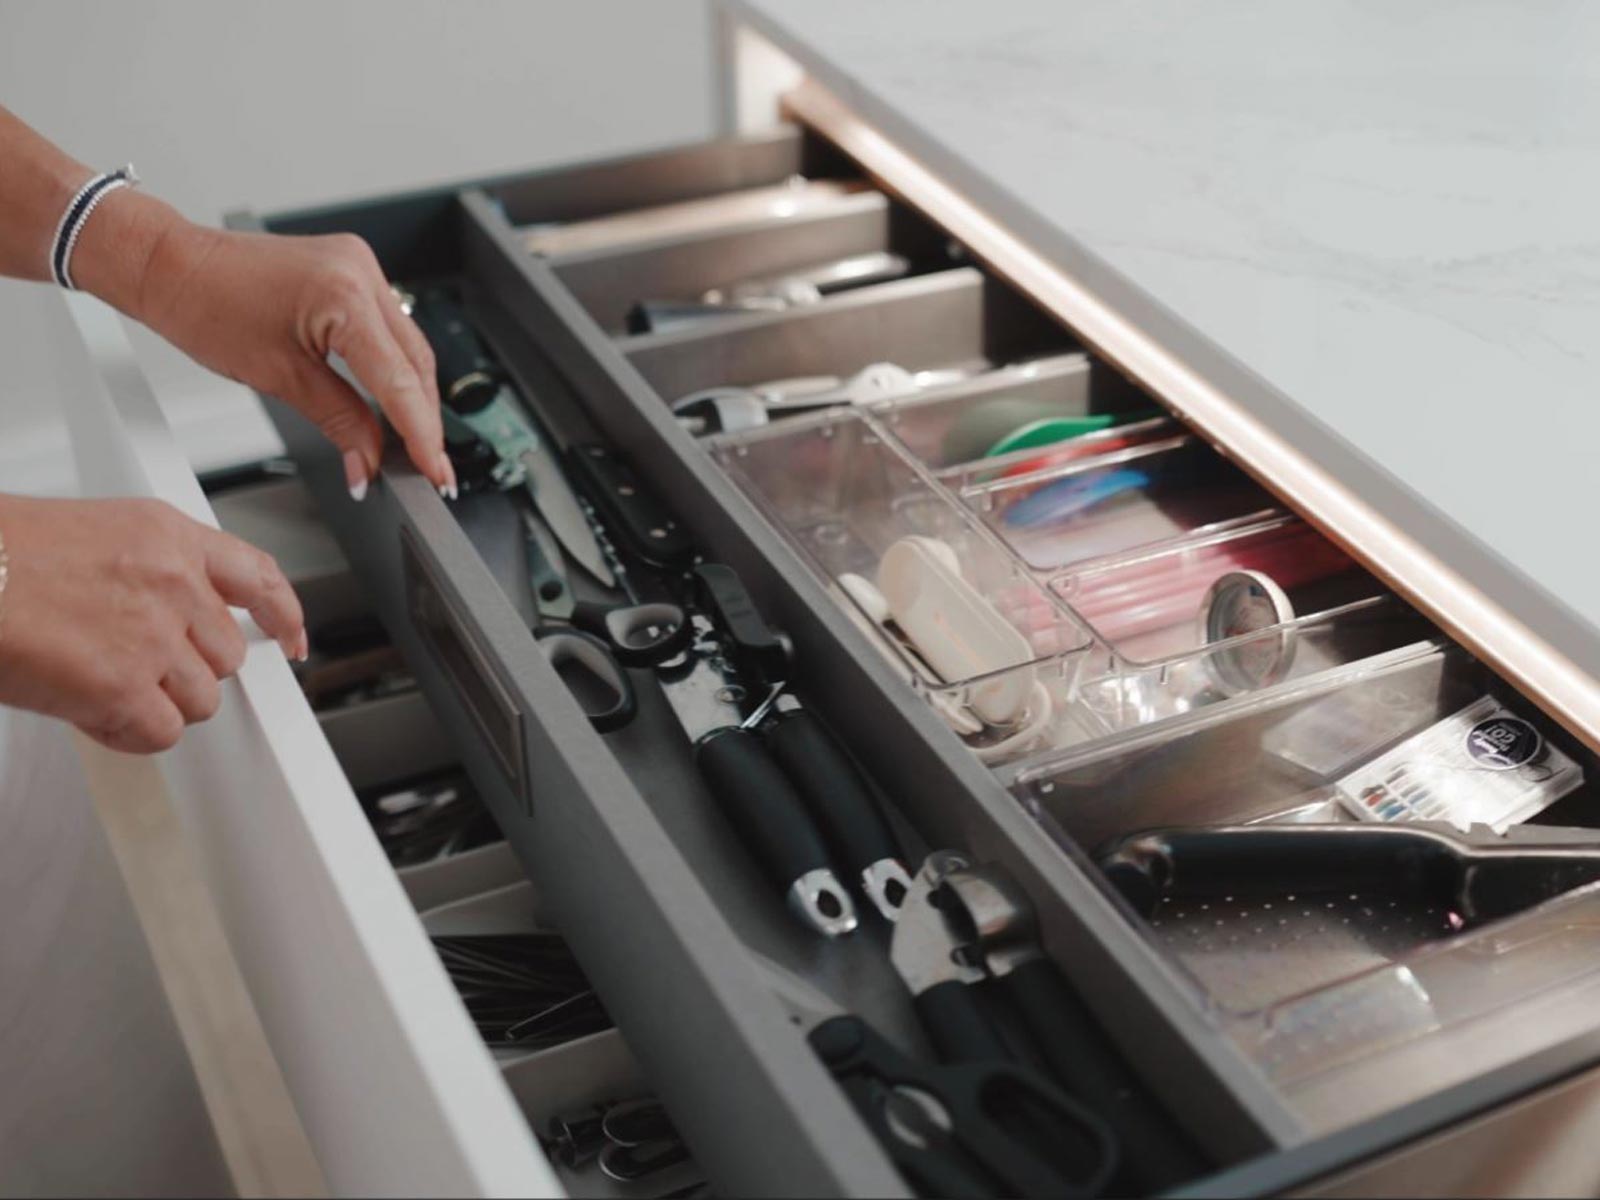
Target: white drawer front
394 1087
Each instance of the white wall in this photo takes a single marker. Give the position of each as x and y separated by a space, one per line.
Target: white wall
229 104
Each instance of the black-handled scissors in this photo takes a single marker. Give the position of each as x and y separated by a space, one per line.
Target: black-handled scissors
640 634
959 1129
588 663
591 644
963 1129
597 681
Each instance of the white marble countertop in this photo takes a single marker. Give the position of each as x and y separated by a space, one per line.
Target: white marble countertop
1387 216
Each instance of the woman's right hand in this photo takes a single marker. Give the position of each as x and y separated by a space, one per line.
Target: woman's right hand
116 616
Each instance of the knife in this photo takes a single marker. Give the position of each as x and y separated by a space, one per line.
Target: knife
551 594
476 389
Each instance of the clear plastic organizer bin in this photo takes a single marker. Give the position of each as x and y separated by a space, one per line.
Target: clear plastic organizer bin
1102 695
1223 615
1108 505
1152 604
1114 694
1351 994
1005 415
844 492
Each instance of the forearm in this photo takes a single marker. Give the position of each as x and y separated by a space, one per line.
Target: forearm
127 232
265 310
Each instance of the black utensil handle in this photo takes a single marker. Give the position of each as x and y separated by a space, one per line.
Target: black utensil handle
955 1021
468 375
1262 859
1005 1131
640 523
830 784
760 658
1404 862
761 804
1156 1153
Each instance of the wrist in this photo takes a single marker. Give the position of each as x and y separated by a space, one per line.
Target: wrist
123 245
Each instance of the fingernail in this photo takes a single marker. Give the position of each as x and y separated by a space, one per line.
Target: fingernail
355 475
304 647
447 471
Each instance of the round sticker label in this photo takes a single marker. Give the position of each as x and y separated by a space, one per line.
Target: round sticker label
1503 743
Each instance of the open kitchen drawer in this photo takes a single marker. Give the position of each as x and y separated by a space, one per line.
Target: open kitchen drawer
696 960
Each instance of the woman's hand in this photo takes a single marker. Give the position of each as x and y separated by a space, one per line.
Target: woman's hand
268 310
264 310
116 615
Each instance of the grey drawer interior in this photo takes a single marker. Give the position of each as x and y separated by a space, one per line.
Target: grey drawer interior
946 319
632 860
608 281
464 881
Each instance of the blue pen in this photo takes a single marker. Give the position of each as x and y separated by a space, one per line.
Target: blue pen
1069 497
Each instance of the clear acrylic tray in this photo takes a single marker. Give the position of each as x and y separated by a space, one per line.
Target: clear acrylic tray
1137 497
1350 1002
844 492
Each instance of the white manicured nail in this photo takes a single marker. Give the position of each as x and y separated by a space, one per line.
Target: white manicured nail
355 475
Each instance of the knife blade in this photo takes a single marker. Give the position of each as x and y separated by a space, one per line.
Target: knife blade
558 505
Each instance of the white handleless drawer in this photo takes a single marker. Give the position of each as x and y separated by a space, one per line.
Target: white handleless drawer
396 1091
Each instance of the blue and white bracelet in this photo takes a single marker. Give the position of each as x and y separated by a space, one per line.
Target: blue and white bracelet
77 214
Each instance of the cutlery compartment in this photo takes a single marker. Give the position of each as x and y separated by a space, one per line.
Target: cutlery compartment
562 1088
1045 411
772 189
747 261
423 807
1143 496
958 319
1355 983
519 982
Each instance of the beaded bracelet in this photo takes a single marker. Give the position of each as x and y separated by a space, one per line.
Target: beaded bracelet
5 574
77 215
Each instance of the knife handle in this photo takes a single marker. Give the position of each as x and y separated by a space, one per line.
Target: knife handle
545 578
637 521
468 376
